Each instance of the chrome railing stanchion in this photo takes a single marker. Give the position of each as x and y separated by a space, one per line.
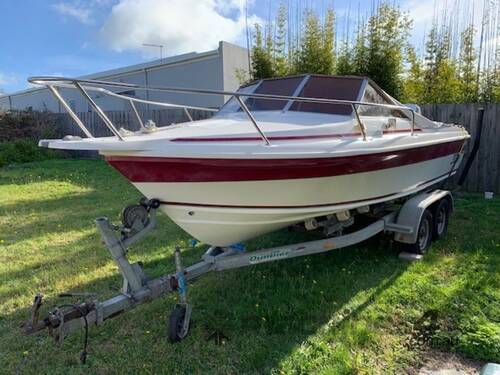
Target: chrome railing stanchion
412 122
68 109
360 124
99 111
137 116
252 119
188 114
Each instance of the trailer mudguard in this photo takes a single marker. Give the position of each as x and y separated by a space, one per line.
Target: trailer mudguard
413 209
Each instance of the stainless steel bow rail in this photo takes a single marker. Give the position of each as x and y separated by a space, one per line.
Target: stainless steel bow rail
404 219
85 85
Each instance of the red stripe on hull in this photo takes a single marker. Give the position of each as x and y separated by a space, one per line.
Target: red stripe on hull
158 169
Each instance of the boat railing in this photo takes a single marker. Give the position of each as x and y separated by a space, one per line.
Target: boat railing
86 85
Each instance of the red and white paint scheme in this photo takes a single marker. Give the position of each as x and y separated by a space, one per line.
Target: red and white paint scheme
221 183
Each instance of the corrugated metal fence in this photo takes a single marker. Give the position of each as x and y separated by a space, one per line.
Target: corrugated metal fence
484 174
127 120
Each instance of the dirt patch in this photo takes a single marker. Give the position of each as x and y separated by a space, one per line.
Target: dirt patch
441 363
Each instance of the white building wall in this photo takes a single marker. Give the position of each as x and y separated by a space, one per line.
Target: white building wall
38 100
204 74
218 69
4 102
235 65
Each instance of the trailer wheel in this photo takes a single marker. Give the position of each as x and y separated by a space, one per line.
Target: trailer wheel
441 219
424 235
176 324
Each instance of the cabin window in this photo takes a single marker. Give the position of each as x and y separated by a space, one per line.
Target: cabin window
322 87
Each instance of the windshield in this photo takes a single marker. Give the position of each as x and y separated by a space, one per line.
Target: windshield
310 86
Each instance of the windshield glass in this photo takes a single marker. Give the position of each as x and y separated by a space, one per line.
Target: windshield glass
321 87
232 104
279 86
324 87
372 95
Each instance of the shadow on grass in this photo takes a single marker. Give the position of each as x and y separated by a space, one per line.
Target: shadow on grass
265 311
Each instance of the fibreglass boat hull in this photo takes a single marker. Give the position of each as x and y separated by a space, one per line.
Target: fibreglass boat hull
224 201
279 152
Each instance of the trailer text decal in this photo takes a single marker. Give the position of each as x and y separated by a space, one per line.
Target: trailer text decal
267 257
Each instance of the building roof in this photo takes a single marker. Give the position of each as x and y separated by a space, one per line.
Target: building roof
178 59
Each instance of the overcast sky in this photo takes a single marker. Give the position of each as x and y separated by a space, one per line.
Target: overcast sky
76 37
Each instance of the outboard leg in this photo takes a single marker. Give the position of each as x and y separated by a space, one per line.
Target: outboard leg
178 325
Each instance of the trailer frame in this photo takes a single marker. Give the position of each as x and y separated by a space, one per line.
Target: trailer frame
404 222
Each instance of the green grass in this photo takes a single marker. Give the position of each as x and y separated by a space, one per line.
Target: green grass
357 310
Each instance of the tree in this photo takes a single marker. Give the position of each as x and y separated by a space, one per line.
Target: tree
490 82
262 65
360 53
328 41
451 70
387 37
446 87
431 53
316 49
440 76
413 88
469 90
280 57
345 64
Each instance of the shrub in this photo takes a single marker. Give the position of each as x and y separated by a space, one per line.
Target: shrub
24 150
28 124
20 132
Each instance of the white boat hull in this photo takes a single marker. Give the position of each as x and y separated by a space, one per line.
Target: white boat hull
224 213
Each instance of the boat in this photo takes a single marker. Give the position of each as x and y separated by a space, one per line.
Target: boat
280 151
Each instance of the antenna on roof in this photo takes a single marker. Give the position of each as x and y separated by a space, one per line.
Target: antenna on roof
160 46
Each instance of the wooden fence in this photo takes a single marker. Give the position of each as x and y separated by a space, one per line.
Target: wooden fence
484 174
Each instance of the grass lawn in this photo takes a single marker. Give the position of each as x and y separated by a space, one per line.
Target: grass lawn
357 310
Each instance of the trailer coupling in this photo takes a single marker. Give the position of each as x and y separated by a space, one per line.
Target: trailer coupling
56 318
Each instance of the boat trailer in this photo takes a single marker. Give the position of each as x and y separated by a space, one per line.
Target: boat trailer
414 223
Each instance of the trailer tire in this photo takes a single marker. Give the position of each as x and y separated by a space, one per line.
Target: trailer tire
441 219
424 234
175 324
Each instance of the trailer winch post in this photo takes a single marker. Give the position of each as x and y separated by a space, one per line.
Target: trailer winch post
119 253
